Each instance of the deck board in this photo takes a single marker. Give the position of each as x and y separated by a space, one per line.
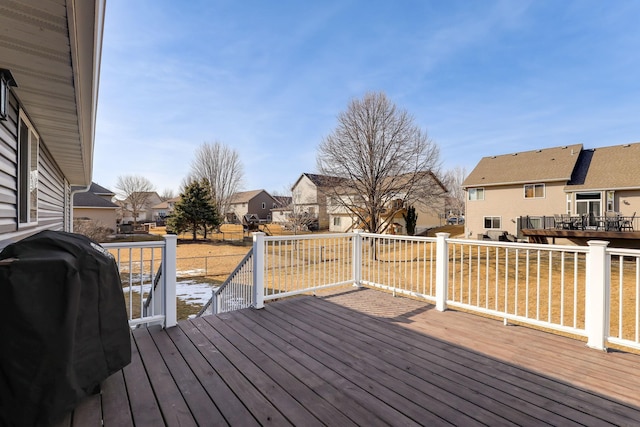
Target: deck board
448 374
115 402
363 358
196 398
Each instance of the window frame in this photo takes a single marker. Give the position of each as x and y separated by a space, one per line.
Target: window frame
28 175
336 221
492 219
534 188
478 192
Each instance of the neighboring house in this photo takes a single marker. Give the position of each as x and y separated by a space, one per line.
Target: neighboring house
568 180
308 195
255 202
280 214
145 213
430 209
95 205
164 209
49 73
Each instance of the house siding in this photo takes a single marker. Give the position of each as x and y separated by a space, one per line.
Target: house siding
51 184
509 203
51 193
627 202
307 195
9 168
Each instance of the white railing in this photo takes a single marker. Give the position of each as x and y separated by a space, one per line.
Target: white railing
570 289
543 285
291 265
624 296
148 274
236 292
400 264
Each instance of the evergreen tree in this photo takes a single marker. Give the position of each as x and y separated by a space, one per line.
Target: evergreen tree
195 210
411 218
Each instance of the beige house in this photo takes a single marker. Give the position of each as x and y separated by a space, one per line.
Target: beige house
145 212
542 185
430 207
49 73
308 197
162 210
96 205
255 202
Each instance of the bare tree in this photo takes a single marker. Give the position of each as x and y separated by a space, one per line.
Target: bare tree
167 194
453 180
221 167
378 156
135 192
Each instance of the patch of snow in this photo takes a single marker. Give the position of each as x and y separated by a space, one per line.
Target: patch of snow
189 291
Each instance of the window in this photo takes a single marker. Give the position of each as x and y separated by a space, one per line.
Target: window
4 96
28 141
533 191
492 222
264 205
336 221
476 194
611 201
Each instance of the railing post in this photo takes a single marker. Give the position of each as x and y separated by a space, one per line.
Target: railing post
357 258
258 269
169 278
597 294
442 271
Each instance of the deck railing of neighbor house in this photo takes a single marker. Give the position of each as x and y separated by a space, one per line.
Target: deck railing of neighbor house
580 222
148 273
570 289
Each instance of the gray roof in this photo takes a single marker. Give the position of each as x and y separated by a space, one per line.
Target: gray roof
94 198
91 200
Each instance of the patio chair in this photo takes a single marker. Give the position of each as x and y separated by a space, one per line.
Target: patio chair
627 223
558 221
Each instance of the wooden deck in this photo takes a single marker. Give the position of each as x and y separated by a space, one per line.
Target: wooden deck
362 357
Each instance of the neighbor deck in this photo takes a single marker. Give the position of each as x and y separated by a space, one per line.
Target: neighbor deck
362 357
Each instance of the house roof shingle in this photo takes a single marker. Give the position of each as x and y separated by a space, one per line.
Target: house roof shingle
246 196
608 168
93 198
548 164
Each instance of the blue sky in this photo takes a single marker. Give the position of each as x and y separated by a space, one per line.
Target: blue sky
269 79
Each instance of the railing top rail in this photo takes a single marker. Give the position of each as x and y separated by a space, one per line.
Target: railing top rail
623 251
399 237
126 245
309 237
514 245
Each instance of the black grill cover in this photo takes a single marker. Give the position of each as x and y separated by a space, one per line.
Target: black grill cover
63 325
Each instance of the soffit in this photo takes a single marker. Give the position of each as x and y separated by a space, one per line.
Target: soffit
52 48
